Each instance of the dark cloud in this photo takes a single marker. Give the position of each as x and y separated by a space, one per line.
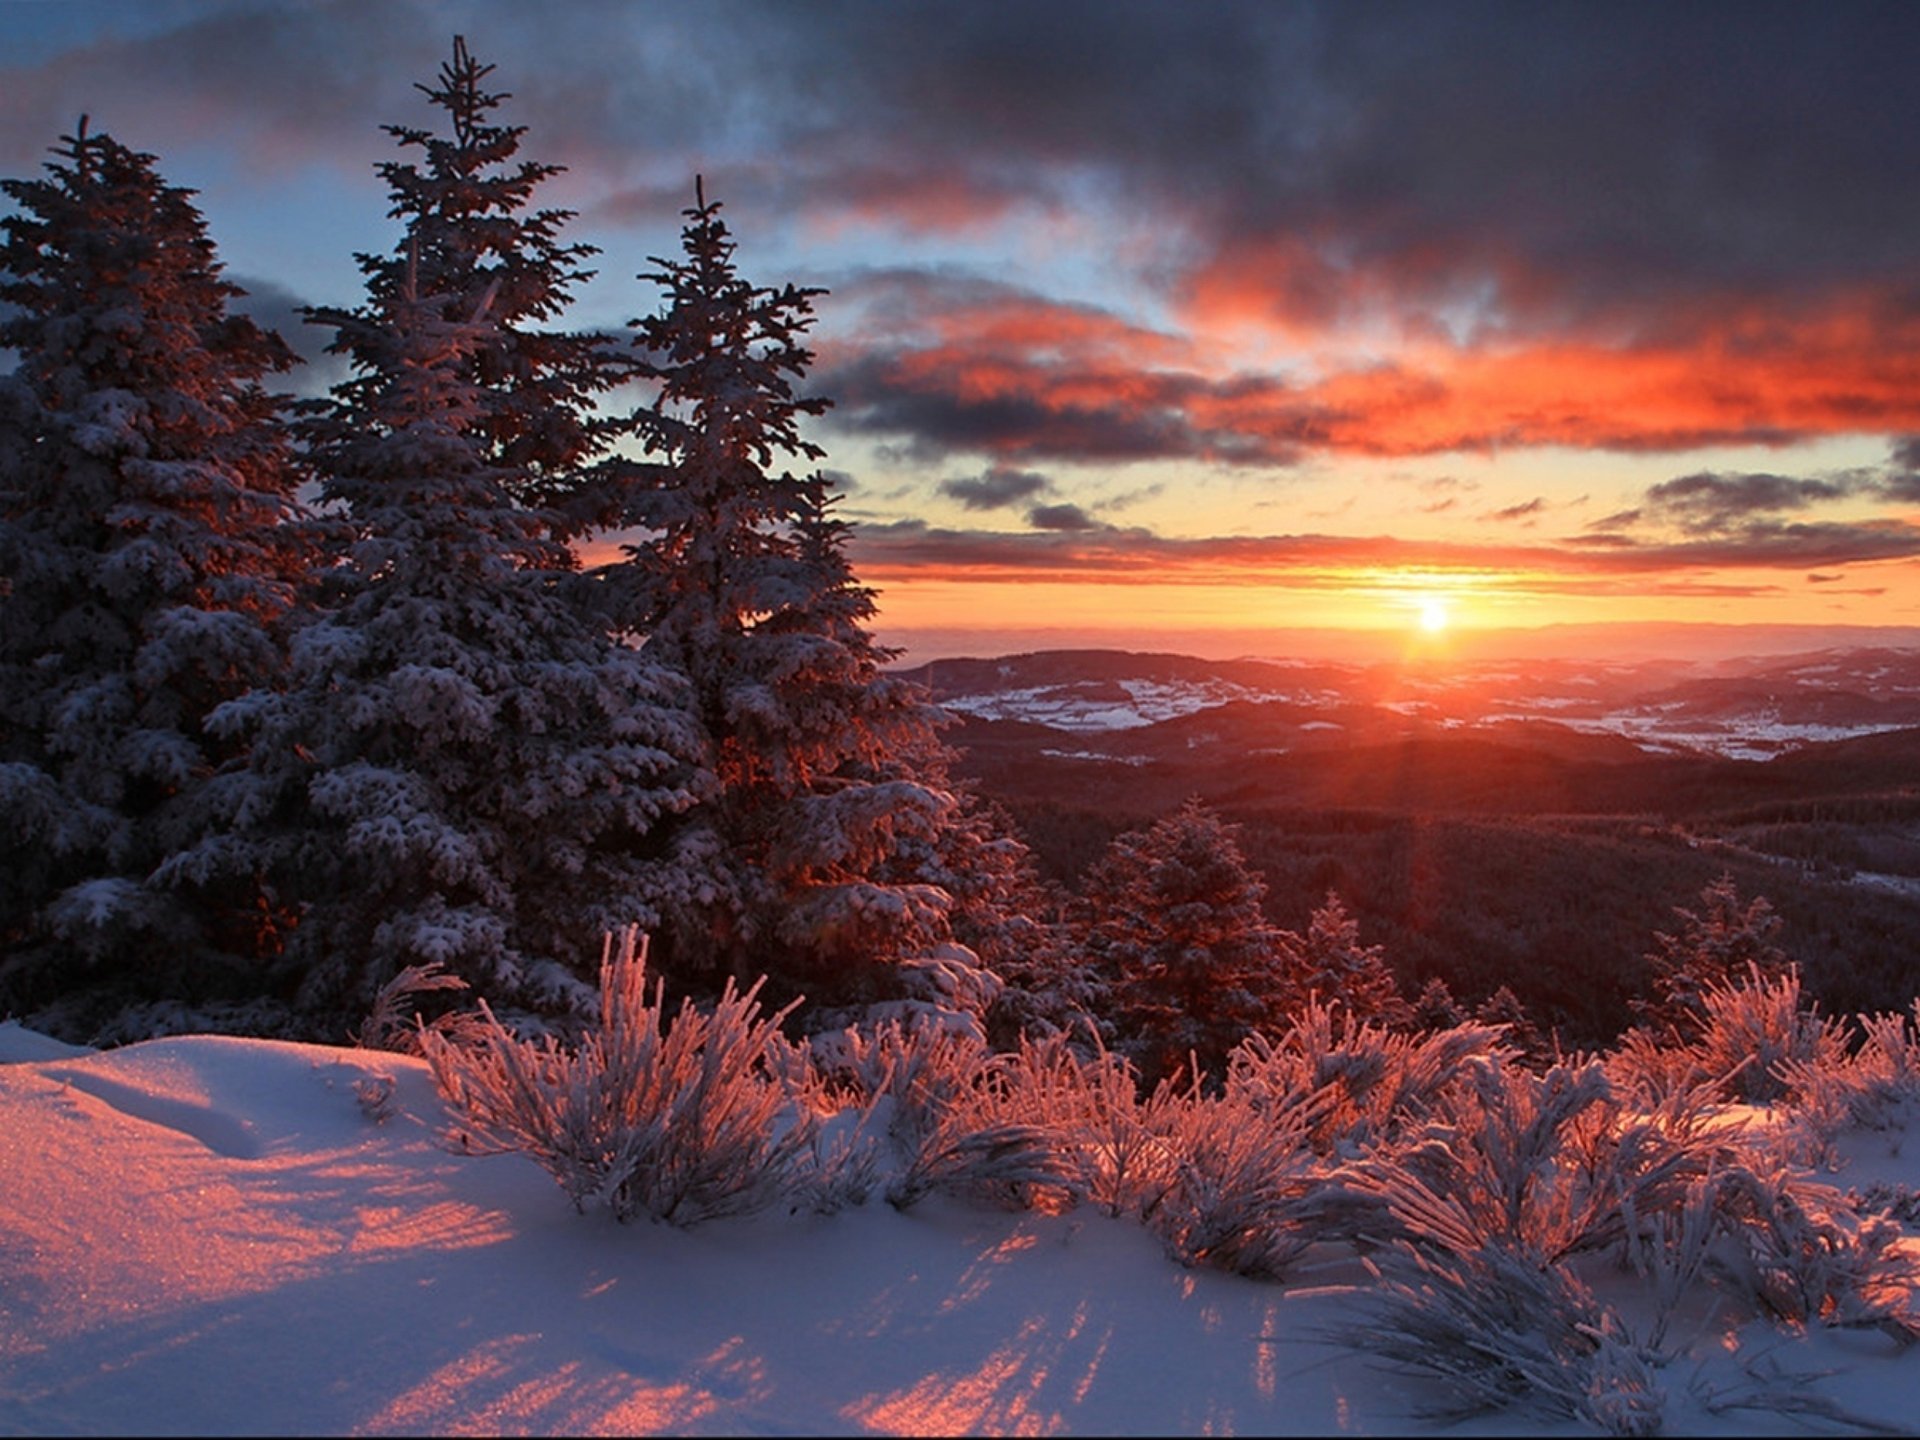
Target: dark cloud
1707 502
1816 578
1061 517
1900 482
273 307
1681 231
1769 543
998 487
1476 156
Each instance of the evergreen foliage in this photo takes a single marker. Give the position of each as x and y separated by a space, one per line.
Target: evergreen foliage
827 770
145 486
1329 963
1711 946
475 243
463 769
1175 924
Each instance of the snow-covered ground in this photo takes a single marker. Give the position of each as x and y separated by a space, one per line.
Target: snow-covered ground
217 1236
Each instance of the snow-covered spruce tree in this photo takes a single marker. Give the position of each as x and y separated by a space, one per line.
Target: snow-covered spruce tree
740 582
1175 925
473 237
464 769
144 486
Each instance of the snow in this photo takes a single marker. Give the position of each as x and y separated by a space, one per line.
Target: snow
1092 707
211 1235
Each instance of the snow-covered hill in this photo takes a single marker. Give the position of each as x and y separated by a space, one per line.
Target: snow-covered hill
217 1236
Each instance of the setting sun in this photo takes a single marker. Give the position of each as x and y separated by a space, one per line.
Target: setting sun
1433 615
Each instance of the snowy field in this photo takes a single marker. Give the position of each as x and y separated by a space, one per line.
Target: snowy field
215 1236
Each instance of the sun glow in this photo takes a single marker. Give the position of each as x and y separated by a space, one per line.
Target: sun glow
1433 615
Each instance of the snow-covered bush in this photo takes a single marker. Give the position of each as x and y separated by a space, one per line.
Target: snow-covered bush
1247 1192
392 1023
1803 1253
1877 1085
1756 1026
1549 1165
1381 1080
1089 1099
1496 1327
679 1122
955 1114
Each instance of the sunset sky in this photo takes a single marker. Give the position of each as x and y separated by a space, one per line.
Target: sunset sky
1156 320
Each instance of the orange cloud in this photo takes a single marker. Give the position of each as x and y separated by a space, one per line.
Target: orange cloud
1014 376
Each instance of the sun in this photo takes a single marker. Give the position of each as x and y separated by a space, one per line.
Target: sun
1433 615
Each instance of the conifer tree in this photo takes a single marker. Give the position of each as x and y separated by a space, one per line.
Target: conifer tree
1329 963
827 769
1713 945
1175 922
1435 1008
144 485
474 238
465 769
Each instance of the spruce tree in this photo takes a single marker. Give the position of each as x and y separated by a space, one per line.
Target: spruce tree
464 769
1175 921
145 483
474 238
1329 963
740 582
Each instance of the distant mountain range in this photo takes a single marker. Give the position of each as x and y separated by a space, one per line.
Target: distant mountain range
1101 702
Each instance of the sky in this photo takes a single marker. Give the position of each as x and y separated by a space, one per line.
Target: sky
1184 320
208 1235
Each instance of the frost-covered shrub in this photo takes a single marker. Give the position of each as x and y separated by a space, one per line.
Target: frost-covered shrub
1496 1327
1878 1085
1089 1099
1755 1041
1647 1069
1803 1253
1380 1080
394 1024
1248 1193
954 1114
679 1122
1551 1165
1756 1026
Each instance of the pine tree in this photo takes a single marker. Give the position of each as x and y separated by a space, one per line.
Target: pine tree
145 483
1175 923
742 585
464 770
1330 963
